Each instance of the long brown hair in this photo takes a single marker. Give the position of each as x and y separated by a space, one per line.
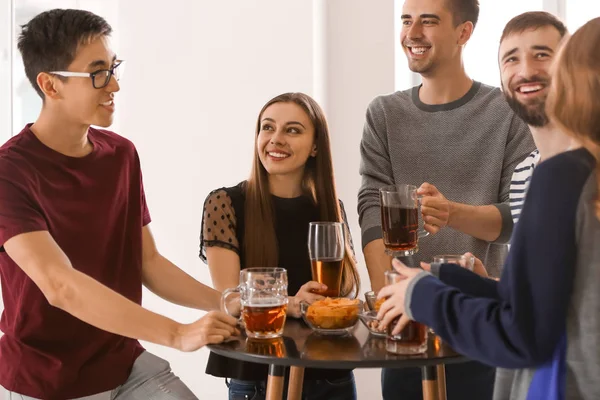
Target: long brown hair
260 242
574 99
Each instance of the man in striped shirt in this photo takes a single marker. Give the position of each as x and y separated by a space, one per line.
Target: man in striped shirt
520 183
527 48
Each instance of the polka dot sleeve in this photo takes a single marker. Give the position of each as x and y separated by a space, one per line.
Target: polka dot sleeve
218 224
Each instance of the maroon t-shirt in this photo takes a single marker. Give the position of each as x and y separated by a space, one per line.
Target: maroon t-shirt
94 208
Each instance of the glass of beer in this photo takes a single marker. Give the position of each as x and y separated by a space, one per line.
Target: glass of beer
400 219
413 338
263 301
464 261
326 245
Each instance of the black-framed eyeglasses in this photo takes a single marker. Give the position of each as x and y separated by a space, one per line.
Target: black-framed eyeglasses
100 78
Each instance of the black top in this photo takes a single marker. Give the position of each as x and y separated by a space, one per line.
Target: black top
302 347
223 226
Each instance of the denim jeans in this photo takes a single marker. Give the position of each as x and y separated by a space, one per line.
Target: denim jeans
338 389
470 380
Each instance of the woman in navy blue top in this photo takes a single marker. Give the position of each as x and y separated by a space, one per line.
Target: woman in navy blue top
543 317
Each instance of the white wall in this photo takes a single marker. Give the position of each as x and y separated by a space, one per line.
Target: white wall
359 66
197 75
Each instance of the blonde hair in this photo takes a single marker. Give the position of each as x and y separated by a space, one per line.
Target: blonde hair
573 103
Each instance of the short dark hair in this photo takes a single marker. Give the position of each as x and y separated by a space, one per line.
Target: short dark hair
464 10
49 42
533 20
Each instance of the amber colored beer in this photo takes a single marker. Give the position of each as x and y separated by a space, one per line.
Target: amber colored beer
411 340
264 320
266 347
328 272
400 227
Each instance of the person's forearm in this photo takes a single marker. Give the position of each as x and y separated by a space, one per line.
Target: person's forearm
466 281
377 263
168 281
90 301
481 222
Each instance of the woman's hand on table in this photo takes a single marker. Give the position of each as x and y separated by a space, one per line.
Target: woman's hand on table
395 294
309 292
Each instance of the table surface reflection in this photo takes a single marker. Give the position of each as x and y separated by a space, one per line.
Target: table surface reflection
301 346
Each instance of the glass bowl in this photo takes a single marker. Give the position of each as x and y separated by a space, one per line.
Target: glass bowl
369 318
331 316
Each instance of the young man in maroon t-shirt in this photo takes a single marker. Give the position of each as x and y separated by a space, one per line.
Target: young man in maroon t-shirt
75 242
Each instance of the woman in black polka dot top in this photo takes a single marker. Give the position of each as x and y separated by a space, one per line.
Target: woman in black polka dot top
263 222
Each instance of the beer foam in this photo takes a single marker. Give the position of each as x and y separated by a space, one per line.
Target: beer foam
265 302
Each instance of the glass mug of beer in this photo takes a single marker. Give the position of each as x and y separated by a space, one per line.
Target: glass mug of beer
413 338
326 246
464 261
263 301
400 219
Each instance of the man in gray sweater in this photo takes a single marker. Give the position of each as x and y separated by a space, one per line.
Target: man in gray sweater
452 133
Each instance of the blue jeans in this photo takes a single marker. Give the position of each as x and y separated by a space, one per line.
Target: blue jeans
470 380
338 389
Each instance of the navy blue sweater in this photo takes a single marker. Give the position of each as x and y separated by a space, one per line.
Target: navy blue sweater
518 321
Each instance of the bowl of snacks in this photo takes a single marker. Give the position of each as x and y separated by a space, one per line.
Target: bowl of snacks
369 318
372 303
333 316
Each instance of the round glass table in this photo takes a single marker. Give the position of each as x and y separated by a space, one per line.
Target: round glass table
301 347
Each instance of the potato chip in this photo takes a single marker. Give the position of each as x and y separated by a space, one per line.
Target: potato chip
333 313
378 303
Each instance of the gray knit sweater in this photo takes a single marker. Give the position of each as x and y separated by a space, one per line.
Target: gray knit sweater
467 148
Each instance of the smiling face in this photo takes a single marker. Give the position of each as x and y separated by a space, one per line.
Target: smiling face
286 139
429 37
76 97
525 59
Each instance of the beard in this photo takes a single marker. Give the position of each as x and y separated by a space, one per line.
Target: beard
534 113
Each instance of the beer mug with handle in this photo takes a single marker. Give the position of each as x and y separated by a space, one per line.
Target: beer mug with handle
263 301
401 224
413 338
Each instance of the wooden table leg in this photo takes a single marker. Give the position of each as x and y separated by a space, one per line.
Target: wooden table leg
430 386
441 380
275 382
295 383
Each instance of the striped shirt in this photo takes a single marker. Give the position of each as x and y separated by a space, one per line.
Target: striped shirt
520 183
